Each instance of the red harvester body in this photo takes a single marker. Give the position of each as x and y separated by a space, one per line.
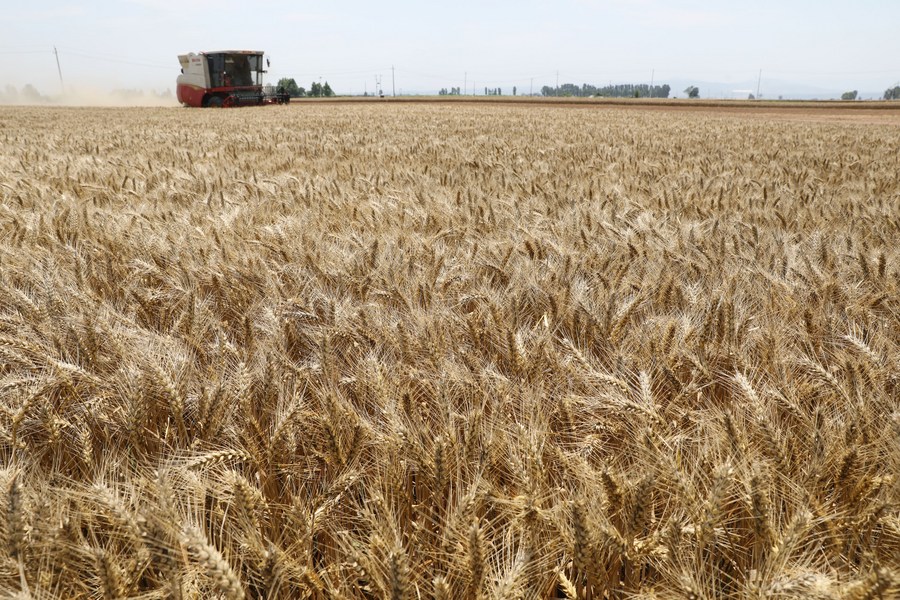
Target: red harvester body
225 78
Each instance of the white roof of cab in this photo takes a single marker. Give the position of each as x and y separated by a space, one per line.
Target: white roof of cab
233 52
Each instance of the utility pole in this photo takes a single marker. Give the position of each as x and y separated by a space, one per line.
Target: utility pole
758 83
652 73
393 85
61 84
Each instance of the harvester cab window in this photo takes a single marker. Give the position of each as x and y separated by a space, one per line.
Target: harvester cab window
234 69
216 69
255 62
237 68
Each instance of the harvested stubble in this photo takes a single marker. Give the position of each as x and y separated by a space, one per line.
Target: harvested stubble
449 352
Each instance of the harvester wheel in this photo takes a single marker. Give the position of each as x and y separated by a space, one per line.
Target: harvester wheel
214 102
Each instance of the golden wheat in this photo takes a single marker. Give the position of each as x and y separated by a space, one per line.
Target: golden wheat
448 351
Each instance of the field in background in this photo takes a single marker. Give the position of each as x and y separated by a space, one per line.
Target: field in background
447 351
862 112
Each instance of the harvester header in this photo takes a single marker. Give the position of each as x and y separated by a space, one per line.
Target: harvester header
225 78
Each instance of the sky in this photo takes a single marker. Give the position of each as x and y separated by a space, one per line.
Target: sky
133 44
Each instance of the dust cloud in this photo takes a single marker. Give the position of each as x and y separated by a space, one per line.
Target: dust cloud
28 95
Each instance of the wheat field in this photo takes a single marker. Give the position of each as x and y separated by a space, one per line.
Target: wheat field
447 352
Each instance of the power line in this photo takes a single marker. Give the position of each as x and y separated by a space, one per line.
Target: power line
788 72
295 73
114 60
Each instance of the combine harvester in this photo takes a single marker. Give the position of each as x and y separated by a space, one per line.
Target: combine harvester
225 78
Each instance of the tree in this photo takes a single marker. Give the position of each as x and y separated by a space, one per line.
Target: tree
514 90
692 91
327 91
892 93
315 89
290 86
849 95
11 94
30 93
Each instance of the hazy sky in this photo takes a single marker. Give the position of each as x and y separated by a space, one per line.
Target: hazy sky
109 44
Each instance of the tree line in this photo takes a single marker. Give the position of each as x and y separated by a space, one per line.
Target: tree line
316 89
624 90
488 91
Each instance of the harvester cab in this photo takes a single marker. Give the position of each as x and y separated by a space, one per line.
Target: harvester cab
225 78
